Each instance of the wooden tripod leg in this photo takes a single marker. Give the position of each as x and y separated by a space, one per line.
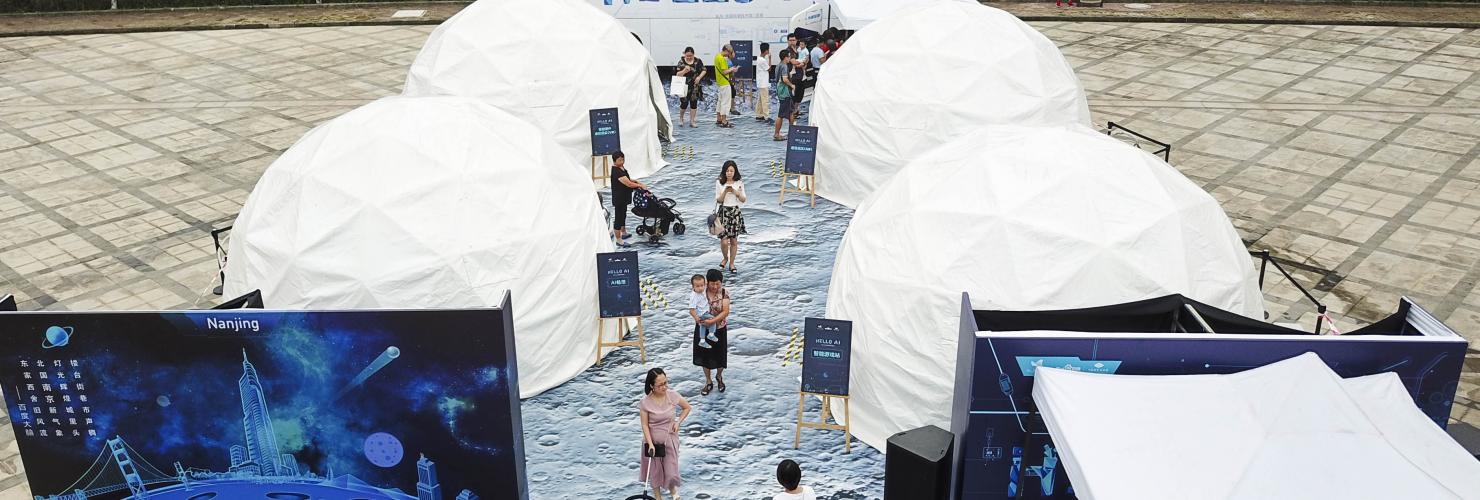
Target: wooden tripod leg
801 403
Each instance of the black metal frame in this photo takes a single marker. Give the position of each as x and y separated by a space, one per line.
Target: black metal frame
220 258
1166 149
1266 259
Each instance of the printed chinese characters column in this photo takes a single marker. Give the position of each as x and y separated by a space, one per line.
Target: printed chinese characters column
53 401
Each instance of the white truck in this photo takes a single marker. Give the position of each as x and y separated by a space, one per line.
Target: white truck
667 26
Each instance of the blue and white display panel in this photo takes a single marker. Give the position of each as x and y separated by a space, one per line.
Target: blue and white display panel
993 404
239 404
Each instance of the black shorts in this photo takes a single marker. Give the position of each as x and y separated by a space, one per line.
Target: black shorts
691 100
619 219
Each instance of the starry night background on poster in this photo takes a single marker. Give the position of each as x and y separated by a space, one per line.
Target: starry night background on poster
170 390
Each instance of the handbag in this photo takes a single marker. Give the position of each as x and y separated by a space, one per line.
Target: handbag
715 226
657 451
677 87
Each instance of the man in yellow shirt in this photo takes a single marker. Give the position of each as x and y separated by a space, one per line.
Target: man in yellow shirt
722 71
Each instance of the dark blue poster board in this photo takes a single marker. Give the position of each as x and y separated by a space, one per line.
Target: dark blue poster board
606 132
744 58
828 347
332 405
994 387
7 303
617 288
801 149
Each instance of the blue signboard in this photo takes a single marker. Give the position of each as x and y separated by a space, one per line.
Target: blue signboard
827 348
801 150
606 133
618 293
998 391
744 59
384 405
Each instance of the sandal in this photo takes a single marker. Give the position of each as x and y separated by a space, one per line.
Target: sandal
778 138
707 389
721 386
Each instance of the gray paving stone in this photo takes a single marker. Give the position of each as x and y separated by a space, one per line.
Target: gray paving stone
1350 150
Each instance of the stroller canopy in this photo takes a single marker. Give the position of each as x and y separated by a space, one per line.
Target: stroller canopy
550 62
423 202
918 78
1022 218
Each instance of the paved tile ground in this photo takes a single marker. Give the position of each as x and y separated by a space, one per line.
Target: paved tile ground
1349 152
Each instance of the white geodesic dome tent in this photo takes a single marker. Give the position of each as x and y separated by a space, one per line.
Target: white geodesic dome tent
920 77
431 202
1022 218
550 62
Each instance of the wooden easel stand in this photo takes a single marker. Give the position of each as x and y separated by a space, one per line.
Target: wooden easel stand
804 185
822 423
622 330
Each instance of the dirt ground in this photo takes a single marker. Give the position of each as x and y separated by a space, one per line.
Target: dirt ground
327 15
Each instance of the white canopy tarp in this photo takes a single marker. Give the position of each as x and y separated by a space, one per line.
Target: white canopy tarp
848 14
921 77
550 62
1022 218
1289 430
431 202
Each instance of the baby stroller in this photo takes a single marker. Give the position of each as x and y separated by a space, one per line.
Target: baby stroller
657 215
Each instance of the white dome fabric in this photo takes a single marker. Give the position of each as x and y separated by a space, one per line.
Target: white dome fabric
427 203
1022 218
918 78
550 62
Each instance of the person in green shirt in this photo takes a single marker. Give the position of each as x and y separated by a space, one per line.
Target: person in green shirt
722 72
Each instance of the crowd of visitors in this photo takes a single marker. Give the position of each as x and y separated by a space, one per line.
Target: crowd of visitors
661 409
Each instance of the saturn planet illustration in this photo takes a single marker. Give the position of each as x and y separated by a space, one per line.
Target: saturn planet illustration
57 336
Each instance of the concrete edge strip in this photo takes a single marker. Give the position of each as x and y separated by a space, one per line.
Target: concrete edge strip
214 27
1095 102
1029 18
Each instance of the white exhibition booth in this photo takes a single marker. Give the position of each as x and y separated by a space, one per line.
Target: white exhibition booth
550 62
431 202
1288 430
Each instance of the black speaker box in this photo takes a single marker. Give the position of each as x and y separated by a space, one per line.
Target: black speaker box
917 465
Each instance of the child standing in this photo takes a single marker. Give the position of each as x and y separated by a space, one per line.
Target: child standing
699 309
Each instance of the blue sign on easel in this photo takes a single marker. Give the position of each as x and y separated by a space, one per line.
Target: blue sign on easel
825 356
744 59
606 133
618 291
801 150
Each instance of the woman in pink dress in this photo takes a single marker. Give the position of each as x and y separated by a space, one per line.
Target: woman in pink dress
660 428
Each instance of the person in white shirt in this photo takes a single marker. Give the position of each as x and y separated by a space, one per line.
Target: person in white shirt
789 474
763 92
729 193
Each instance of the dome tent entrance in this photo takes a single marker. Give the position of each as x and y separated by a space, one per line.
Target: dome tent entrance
431 202
1022 218
920 77
550 62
